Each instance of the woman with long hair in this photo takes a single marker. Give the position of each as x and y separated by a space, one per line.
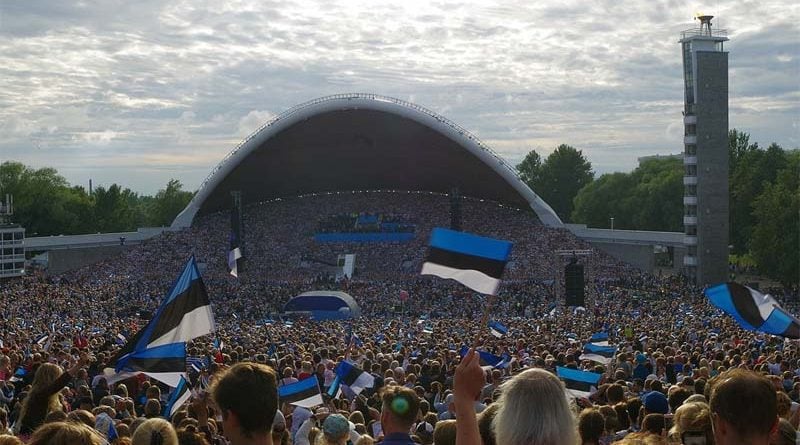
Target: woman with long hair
42 399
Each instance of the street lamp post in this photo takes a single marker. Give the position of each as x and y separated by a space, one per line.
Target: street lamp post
612 223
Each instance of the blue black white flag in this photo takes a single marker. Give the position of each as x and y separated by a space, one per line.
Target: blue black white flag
304 393
578 383
598 353
179 396
497 329
599 338
354 377
487 359
753 310
474 261
158 349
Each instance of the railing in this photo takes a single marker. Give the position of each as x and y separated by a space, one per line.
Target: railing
350 96
704 32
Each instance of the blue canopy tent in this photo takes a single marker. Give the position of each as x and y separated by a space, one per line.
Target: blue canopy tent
323 305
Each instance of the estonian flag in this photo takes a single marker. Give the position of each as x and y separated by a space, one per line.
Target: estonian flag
598 353
304 393
235 251
753 310
179 396
427 330
354 377
487 359
158 349
42 339
578 383
497 329
474 261
599 338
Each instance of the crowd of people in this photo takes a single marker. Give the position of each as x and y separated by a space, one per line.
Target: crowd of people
680 369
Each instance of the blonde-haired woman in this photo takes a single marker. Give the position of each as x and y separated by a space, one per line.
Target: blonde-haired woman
155 431
533 407
534 411
66 433
43 396
692 419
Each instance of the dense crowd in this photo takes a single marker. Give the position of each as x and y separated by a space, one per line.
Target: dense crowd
672 345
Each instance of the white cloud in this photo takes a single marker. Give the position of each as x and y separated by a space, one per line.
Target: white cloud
171 86
253 121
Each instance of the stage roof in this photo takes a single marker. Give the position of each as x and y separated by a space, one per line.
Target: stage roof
361 142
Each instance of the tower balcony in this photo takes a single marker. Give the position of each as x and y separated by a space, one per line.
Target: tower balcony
690 119
689 160
689 260
690 200
690 180
689 220
690 240
690 139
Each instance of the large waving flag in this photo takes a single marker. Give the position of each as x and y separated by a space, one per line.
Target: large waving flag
474 261
579 383
598 353
753 310
304 393
158 349
599 338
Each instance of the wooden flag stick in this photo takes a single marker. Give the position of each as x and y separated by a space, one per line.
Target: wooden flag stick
484 319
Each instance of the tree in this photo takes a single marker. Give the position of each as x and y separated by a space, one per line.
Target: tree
563 174
648 198
738 146
530 169
754 168
775 243
169 202
115 209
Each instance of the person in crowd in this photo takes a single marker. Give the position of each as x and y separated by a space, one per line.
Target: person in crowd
398 413
66 433
247 396
743 408
43 396
155 431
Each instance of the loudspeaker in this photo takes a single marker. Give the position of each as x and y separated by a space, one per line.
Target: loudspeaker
573 282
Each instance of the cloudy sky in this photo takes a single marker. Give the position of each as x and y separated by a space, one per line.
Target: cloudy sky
137 92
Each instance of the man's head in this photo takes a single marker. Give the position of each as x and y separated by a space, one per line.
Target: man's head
399 411
743 407
247 396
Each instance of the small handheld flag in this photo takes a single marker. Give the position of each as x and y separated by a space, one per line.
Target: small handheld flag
579 383
304 393
179 396
354 377
474 261
488 359
598 353
497 329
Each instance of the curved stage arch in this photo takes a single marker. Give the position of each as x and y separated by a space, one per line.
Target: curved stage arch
361 142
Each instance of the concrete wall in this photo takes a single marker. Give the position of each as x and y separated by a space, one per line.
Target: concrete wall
639 255
63 260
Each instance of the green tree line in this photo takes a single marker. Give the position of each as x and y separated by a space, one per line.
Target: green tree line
764 196
46 204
